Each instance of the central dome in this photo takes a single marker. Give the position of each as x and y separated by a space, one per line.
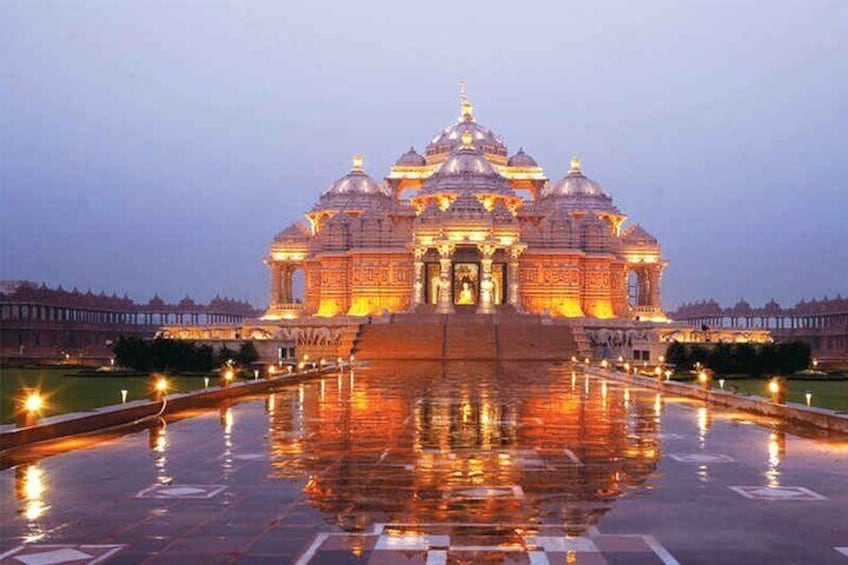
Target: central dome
483 138
466 169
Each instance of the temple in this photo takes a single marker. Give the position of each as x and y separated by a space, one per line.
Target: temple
466 228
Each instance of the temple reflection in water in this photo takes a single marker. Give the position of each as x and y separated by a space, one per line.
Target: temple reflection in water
471 445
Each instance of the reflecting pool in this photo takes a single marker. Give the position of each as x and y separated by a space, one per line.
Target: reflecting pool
437 463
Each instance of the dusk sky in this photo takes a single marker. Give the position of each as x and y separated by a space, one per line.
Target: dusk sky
158 147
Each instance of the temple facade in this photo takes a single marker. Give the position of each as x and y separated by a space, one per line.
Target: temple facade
466 227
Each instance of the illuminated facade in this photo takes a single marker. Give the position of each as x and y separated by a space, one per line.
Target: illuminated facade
466 227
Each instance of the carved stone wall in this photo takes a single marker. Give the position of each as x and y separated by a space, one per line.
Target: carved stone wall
380 281
550 281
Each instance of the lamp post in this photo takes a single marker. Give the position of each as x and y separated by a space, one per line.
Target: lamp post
227 376
29 407
777 389
160 388
706 379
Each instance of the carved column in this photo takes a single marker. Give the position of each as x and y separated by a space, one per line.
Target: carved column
418 281
275 283
514 252
656 295
445 249
487 302
286 284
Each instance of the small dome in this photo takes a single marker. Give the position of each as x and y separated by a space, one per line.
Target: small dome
411 159
577 191
521 159
356 182
354 191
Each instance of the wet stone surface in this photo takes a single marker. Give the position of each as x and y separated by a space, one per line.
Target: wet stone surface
437 463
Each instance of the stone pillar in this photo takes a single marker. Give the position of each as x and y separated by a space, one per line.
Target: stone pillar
275 283
418 276
512 273
656 276
446 249
284 283
487 302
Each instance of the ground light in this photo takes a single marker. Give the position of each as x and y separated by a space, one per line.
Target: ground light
124 393
31 404
809 396
721 384
777 389
705 379
160 388
227 377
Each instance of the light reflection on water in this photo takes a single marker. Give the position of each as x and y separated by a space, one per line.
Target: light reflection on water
542 452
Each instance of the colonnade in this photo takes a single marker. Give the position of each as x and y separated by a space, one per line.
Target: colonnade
446 250
29 312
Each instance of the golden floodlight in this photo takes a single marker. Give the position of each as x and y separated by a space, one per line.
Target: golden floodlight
161 385
774 386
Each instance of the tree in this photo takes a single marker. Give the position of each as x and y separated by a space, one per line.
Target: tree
676 354
225 354
247 353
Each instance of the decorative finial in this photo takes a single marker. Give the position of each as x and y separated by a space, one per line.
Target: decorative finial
575 164
466 108
357 162
467 138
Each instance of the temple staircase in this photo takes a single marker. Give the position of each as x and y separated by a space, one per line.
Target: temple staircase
465 336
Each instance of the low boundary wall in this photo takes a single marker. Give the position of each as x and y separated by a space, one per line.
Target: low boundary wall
76 423
796 413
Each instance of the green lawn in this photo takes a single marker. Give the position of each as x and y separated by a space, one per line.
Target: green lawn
826 394
65 393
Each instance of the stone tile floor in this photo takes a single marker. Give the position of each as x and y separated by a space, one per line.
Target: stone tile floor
432 463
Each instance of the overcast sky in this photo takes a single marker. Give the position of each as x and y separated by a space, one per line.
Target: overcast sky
158 147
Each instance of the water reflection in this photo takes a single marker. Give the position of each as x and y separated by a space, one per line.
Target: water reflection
30 490
776 454
227 420
465 443
157 441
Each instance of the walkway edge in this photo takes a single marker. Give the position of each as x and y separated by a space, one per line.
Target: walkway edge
796 413
76 423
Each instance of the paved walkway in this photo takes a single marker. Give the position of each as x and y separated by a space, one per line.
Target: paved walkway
431 463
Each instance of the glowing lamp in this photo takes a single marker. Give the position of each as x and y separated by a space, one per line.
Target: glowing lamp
777 388
702 377
33 402
604 363
627 367
124 395
574 359
809 396
668 375
161 385
229 375
721 384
